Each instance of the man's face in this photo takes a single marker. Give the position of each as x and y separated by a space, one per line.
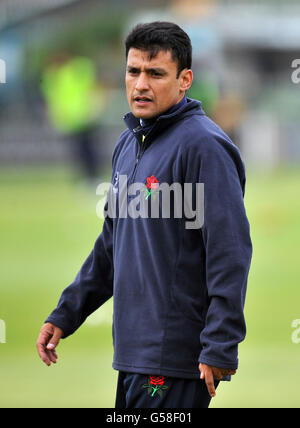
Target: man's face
152 86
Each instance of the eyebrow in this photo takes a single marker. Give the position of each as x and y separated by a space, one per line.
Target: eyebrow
148 70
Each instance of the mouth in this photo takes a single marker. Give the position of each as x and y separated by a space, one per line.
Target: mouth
142 100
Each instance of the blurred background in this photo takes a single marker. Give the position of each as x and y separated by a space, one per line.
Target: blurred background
62 99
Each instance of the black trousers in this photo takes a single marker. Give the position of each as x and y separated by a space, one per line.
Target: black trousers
143 391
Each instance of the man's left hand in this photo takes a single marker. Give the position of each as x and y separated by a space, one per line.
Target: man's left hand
209 373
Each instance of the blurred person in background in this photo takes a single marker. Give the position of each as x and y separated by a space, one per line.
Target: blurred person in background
75 101
179 293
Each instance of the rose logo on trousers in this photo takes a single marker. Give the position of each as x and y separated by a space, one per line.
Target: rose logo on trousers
155 384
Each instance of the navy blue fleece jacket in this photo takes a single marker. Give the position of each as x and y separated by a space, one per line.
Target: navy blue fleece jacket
178 293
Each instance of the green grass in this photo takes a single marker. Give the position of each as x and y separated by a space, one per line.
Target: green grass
48 226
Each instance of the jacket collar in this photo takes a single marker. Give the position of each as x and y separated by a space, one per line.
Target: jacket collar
191 107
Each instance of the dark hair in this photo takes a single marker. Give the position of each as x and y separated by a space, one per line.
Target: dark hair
154 37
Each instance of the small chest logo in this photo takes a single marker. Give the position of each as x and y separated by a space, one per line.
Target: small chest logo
151 186
116 182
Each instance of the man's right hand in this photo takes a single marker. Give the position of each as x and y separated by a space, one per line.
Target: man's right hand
48 339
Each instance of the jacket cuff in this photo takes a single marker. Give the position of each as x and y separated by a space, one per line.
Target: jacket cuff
218 363
60 322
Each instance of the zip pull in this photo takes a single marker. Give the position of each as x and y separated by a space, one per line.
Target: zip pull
137 129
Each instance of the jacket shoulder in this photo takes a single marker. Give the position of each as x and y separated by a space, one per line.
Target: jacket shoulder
203 136
205 142
200 130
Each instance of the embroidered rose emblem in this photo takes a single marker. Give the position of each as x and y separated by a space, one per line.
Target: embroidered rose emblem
151 186
155 384
152 182
157 380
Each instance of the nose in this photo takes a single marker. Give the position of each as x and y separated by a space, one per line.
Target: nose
142 83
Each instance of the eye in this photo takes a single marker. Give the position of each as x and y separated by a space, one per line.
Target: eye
156 73
133 71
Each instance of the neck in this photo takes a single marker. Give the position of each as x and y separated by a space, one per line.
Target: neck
148 122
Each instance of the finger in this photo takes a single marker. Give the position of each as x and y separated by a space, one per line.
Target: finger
52 356
217 373
44 338
228 372
202 370
54 341
209 380
43 355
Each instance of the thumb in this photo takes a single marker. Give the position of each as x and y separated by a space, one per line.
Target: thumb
54 341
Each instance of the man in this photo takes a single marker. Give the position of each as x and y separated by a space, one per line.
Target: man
178 291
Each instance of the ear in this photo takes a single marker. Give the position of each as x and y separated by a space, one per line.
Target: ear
186 79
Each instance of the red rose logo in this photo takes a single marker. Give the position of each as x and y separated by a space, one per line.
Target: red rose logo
151 186
157 380
155 385
152 182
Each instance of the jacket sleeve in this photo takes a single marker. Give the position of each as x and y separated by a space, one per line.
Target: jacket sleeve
92 286
228 248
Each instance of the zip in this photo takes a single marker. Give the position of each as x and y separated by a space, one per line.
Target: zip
137 160
139 155
140 151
